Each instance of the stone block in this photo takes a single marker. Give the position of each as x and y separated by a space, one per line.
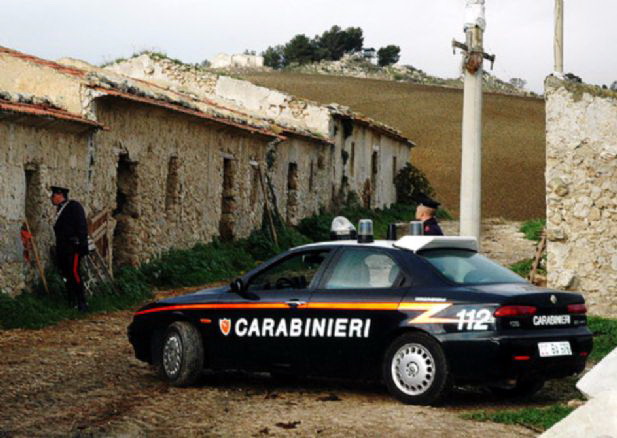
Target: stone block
602 377
595 419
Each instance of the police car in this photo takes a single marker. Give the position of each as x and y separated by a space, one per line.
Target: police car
419 312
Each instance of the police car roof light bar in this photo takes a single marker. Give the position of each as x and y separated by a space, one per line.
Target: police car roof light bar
365 231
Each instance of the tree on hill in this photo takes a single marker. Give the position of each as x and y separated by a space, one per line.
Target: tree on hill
300 49
518 83
273 57
388 55
330 45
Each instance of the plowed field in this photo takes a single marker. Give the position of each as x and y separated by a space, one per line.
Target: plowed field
513 145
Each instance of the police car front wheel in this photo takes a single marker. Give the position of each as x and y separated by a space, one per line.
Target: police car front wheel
415 369
181 354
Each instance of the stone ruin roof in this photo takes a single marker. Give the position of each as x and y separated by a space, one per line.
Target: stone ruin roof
40 112
345 112
103 82
180 73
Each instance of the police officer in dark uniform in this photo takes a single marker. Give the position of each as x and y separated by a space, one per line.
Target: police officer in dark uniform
425 212
71 232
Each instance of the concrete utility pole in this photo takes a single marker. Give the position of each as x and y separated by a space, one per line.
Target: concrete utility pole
558 43
471 165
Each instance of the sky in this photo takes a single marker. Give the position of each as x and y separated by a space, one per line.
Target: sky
519 32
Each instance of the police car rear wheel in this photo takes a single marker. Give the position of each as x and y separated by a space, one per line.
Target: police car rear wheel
415 369
182 354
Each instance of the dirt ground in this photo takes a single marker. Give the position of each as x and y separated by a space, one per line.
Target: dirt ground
80 379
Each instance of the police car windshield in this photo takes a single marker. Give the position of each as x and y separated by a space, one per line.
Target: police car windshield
468 267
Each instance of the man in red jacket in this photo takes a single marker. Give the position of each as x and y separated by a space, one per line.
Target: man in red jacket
71 232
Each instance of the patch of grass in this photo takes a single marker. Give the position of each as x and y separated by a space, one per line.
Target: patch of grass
538 419
39 309
522 268
532 229
202 264
605 336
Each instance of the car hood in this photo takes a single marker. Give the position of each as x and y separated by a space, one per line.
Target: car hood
201 296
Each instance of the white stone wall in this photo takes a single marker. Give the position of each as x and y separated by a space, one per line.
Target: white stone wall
223 60
167 74
373 190
272 104
581 192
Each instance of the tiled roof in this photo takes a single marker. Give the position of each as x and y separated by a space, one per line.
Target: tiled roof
17 110
61 68
185 110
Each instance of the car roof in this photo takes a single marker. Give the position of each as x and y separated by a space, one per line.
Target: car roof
411 243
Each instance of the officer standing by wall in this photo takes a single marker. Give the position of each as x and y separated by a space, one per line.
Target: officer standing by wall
425 212
71 232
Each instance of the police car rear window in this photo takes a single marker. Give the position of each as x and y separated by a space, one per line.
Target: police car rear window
363 269
469 267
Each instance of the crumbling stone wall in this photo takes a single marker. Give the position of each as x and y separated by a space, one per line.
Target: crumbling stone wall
163 71
367 163
33 159
301 175
581 192
150 139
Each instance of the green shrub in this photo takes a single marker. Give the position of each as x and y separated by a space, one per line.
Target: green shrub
532 229
39 309
409 182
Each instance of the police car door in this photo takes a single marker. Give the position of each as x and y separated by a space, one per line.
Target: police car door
354 309
272 324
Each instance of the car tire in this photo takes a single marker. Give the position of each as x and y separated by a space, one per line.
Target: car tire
415 369
180 357
523 389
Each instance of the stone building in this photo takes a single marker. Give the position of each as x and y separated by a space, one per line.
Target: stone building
165 167
581 192
223 60
367 154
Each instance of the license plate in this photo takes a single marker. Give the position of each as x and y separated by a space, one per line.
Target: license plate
551 349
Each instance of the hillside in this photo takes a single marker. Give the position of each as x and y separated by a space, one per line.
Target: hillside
514 134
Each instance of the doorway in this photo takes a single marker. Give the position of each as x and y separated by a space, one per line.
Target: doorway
126 213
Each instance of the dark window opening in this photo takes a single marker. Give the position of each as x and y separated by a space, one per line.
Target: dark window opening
292 192
352 161
255 184
311 177
393 169
347 127
228 200
172 189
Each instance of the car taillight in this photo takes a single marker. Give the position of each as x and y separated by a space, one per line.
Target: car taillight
509 311
577 308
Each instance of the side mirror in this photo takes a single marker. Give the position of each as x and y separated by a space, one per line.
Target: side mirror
237 286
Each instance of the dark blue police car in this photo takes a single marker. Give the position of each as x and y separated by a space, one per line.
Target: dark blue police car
421 313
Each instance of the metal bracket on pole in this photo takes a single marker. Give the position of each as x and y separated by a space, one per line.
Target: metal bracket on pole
465 49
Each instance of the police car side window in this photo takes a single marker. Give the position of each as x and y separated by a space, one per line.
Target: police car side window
295 272
363 269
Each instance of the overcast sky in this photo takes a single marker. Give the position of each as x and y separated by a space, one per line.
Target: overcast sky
519 32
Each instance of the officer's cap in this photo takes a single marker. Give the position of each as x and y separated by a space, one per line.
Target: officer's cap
422 199
56 189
